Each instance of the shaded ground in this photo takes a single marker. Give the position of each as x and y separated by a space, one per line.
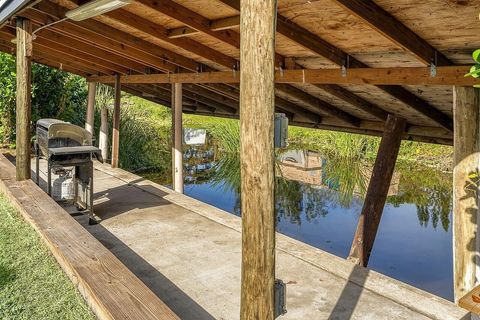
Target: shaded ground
32 285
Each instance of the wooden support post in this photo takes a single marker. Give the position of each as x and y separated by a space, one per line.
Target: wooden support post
466 113
103 136
177 138
23 109
377 191
257 158
116 123
89 118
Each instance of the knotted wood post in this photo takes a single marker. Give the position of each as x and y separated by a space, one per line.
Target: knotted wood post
257 32
377 191
466 114
116 122
89 117
177 138
23 106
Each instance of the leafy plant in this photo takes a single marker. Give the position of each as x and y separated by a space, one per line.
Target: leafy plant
55 94
475 69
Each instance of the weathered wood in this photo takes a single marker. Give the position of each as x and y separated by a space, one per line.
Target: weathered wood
215 25
418 104
116 122
89 117
191 19
316 44
452 75
23 103
103 135
471 300
377 191
177 138
110 289
257 97
466 173
383 22
317 105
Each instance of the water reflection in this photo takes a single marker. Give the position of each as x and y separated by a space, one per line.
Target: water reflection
319 198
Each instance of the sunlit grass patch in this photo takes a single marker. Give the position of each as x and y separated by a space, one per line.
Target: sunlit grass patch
32 285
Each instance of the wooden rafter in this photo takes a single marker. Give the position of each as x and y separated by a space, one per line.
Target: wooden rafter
384 23
323 48
111 38
126 18
446 76
198 23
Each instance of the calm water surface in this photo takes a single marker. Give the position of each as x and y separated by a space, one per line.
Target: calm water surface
319 199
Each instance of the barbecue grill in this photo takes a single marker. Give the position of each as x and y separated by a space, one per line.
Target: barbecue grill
65 145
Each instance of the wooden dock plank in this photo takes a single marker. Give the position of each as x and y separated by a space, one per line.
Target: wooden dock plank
110 289
471 301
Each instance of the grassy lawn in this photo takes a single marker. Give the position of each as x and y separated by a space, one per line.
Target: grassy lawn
32 285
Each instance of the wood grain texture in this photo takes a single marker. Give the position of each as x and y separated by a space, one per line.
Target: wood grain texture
109 288
377 191
384 23
89 117
177 137
116 122
446 76
23 103
257 99
466 111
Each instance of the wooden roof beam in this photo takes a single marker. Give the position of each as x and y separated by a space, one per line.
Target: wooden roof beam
198 22
82 45
191 19
383 22
161 33
53 64
162 58
390 77
318 45
201 24
316 105
215 25
93 38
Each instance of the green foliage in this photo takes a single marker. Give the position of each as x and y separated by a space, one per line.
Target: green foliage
475 69
55 94
32 284
144 145
7 97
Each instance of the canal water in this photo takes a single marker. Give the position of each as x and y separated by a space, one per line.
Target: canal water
319 199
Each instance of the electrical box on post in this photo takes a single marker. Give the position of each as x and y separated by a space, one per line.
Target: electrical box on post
281 130
280 298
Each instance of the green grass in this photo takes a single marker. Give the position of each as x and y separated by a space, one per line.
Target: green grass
32 285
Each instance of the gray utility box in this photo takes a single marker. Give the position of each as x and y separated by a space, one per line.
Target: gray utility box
281 130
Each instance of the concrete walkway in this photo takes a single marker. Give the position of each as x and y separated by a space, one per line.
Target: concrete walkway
189 254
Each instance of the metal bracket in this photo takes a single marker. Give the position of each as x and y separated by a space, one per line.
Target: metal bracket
433 70
280 298
433 66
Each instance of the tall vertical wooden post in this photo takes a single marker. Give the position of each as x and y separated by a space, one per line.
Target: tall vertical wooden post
116 122
257 47
177 138
103 136
23 109
89 117
377 191
466 114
